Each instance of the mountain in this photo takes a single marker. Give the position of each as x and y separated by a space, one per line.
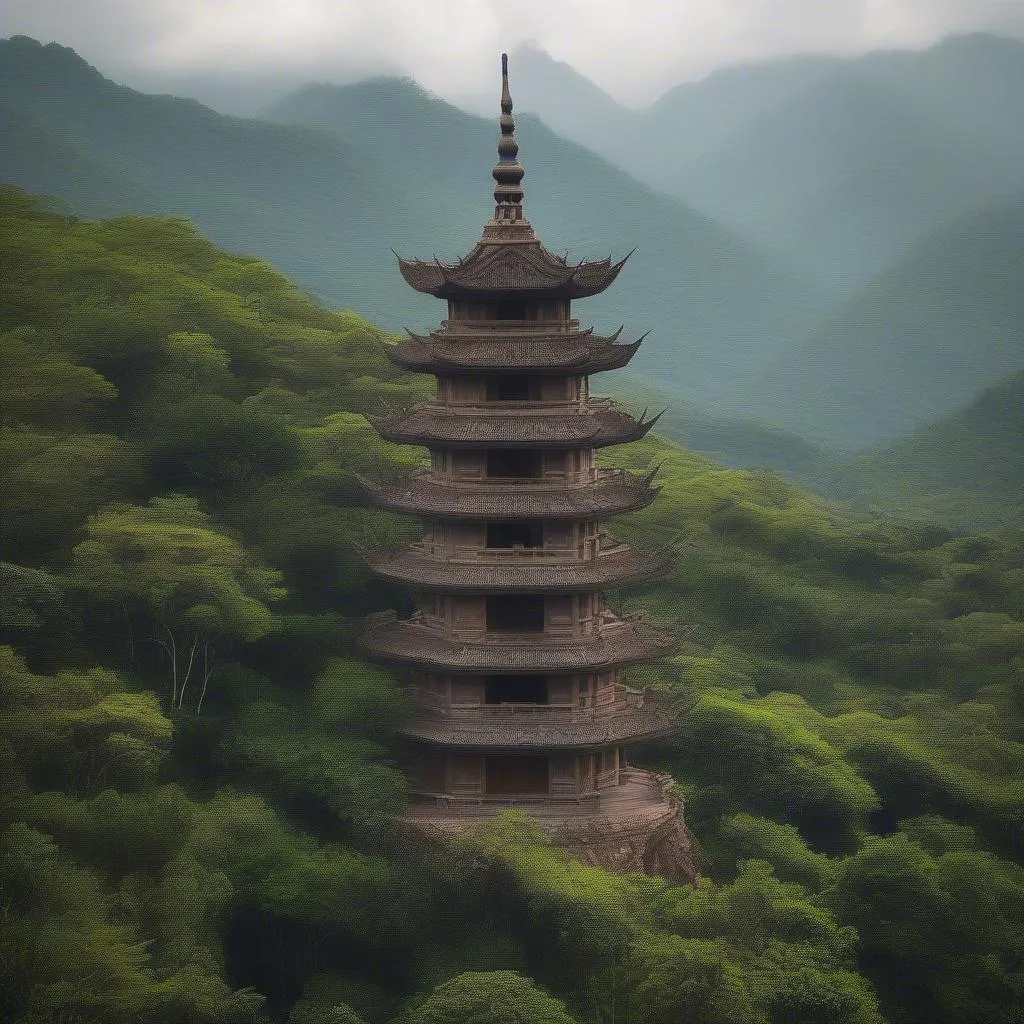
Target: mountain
178 464
868 158
966 469
383 164
840 164
913 345
719 308
729 440
295 196
566 101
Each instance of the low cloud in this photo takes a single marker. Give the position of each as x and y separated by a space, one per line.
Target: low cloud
634 49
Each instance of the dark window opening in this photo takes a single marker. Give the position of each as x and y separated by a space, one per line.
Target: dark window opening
510 535
510 310
513 462
510 388
516 613
517 690
430 774
516 774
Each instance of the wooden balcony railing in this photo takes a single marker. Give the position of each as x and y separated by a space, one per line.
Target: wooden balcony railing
473 554
584 478
642 801
517 327
610 701
532 407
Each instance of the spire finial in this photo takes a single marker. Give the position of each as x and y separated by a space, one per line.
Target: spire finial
508 172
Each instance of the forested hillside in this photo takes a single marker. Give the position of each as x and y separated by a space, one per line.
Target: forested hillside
966 469
198 776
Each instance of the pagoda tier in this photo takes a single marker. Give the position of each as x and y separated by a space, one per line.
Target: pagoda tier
599 423
607 492
583 696
473 347
540 570
410 642
551 732
518 266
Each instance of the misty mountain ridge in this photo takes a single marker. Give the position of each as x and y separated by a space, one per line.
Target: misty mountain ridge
384 164
840 163
966 469
917 343
725 308
346 172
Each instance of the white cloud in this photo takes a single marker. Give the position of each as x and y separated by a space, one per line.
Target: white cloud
633 48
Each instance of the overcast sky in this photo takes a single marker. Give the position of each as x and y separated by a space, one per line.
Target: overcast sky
634 49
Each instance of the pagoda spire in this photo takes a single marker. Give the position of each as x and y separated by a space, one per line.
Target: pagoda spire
508 172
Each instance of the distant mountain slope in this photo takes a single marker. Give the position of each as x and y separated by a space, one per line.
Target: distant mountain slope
301 198
568 102
838 163
718 307
731 441
844 177
914 345
966 469
399 168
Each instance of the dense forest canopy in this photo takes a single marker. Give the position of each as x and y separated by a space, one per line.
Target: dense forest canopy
199 775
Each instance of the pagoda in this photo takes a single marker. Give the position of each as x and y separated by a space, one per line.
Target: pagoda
512 656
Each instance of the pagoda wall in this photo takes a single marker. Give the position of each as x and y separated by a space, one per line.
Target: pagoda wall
468 539
524 309
465 617
571 466
472 390
463 693
495 775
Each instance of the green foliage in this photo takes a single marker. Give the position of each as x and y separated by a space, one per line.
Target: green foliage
946 927
192 586
323 1002
688 979
358 698
181 514
781 845
766 760
78 730
496 997
40 385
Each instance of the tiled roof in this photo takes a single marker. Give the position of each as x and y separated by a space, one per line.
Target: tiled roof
510 268
597 426
419 493
617 568
409 642
580 353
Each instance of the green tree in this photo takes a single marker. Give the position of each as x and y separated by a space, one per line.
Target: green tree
193 587
489 997
39 384
77 731
691 980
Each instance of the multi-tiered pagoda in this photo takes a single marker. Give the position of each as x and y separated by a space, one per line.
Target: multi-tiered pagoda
514 659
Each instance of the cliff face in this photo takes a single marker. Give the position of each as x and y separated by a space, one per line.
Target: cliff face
654 839
661 845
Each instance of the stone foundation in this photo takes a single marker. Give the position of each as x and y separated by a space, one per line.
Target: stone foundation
638 826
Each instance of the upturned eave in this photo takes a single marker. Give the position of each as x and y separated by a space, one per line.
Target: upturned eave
614 492
409 642
526 571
